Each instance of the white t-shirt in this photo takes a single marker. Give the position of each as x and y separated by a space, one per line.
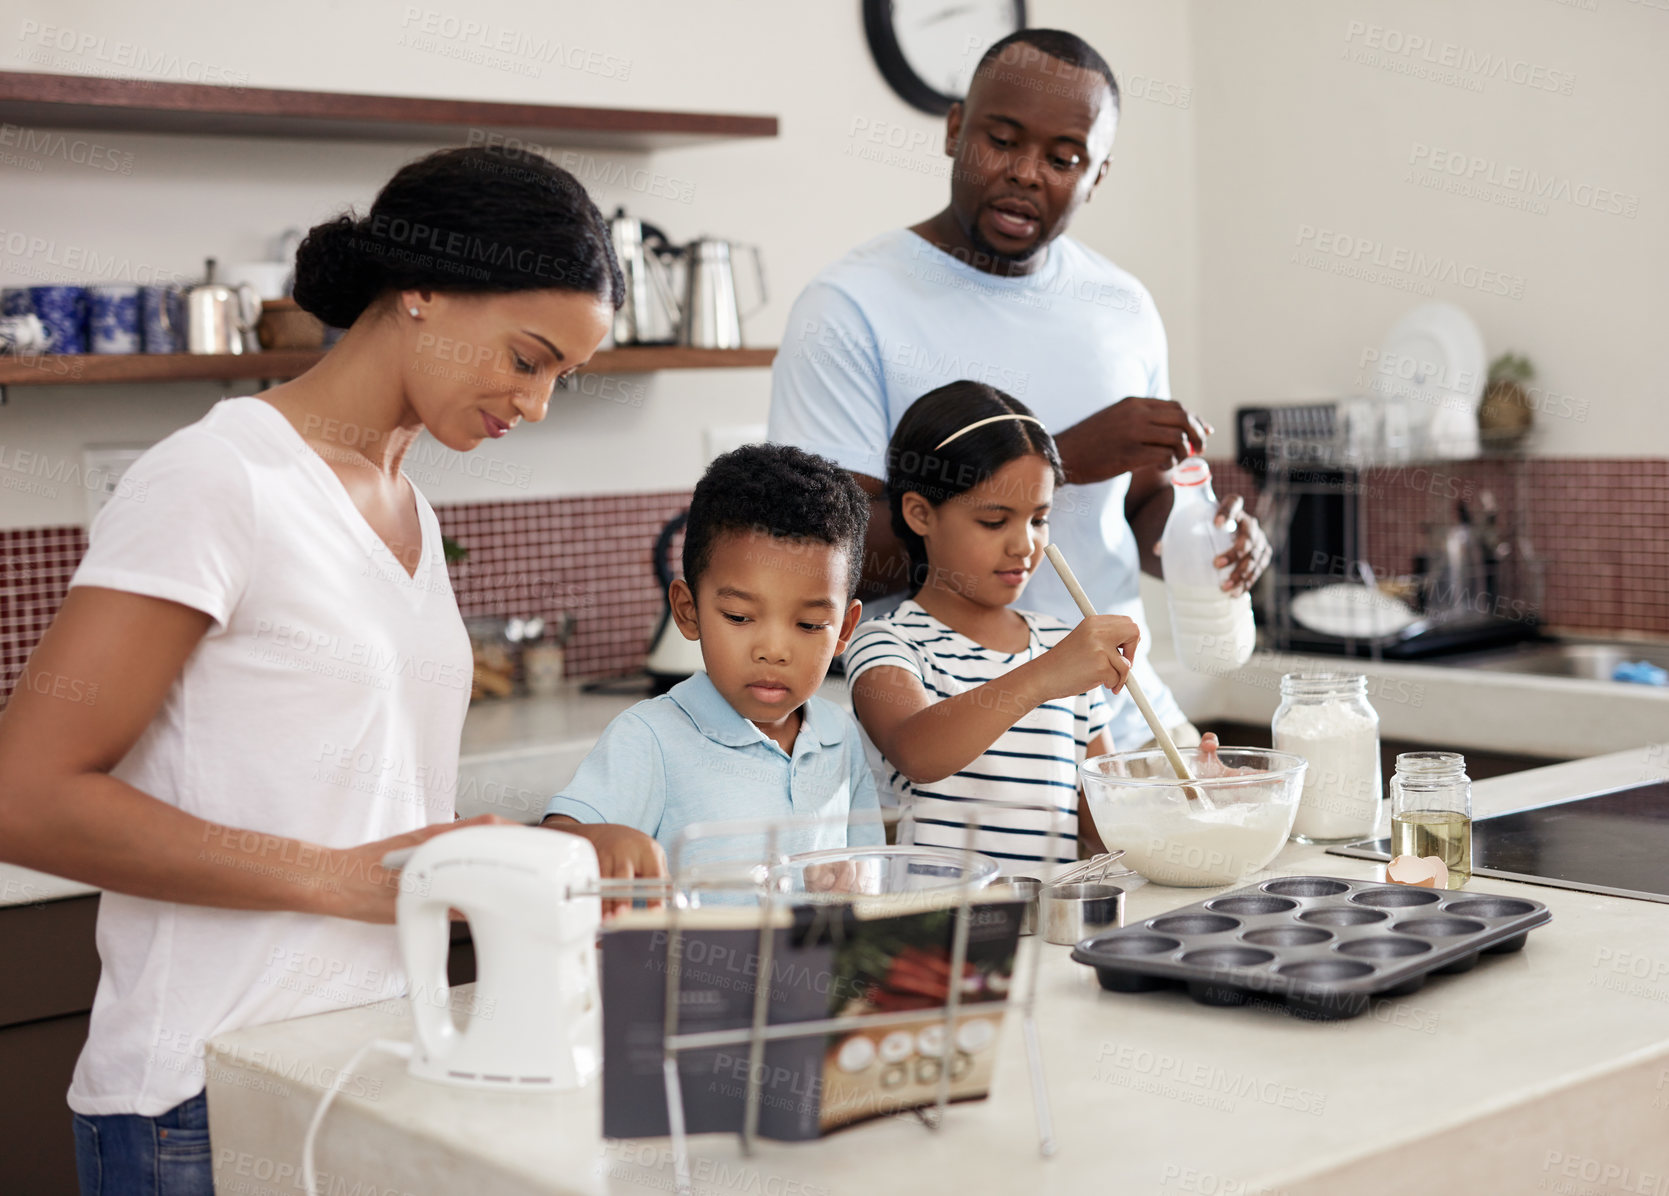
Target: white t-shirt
324 704
1034 761
897 317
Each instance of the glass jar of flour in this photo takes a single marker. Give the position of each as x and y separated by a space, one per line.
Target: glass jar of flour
1327 719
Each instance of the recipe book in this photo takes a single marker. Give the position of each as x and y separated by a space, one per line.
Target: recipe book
876 956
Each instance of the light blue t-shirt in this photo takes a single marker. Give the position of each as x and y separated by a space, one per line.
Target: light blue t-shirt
688 756
897 317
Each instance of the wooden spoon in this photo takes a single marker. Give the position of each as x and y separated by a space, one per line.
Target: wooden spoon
1162 736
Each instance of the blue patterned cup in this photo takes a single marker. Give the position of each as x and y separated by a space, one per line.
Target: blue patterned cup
162 313
63 310
22 336
15 301
113 318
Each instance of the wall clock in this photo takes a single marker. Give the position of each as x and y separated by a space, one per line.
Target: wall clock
927 49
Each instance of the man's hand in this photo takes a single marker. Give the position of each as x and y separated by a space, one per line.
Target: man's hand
622 851
1250 552
1132 434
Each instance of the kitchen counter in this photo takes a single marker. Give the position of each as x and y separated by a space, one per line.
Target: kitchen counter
517 752
513 755
1557 718
25 886
571 715
1545 1070
1552 717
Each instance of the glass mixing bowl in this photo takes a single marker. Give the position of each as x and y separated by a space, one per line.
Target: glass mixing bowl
840 873
1138 804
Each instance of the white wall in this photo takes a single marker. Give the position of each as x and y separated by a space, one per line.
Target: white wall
1243 126
1308 119
1145 215
806 196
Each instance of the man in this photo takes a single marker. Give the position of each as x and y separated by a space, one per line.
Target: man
992 289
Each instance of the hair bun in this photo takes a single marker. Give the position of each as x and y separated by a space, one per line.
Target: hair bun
336 279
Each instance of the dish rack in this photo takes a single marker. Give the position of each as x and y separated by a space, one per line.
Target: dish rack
759 1033
1329 507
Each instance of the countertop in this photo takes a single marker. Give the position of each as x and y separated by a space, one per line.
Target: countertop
1559 718
572 715
507 755
1547 1069
1555 717
516 752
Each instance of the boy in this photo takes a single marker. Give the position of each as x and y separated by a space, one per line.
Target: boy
772 556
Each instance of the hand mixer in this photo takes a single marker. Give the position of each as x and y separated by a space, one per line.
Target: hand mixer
534 915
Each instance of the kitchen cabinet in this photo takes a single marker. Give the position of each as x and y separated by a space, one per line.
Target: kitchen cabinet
51 970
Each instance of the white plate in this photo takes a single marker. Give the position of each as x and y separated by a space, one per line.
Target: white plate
1350 610
1434 360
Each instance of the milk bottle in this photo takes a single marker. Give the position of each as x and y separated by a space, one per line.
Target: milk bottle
1213 631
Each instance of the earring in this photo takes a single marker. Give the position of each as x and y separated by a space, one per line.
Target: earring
413 312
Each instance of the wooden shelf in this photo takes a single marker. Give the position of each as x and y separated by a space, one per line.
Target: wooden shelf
644 359
145 106
77 369
83 369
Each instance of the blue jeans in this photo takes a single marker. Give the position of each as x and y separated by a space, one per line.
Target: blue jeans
123 1154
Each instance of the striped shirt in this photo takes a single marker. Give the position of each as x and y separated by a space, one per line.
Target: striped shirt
1034 761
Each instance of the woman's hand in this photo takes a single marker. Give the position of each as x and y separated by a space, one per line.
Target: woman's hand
1099 651
357 886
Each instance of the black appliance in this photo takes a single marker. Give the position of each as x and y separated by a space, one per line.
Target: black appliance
1616 842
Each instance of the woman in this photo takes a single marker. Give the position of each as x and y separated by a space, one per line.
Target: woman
281 672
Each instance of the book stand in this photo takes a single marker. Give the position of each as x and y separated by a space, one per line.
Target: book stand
759 1033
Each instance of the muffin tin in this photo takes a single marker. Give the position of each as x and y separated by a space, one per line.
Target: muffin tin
1323 945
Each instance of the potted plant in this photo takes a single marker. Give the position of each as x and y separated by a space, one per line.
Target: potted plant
1506 415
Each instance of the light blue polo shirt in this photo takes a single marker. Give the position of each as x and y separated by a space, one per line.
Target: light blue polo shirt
688 756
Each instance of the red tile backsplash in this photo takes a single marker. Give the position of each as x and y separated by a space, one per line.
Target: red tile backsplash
35 568
1598 526
588 556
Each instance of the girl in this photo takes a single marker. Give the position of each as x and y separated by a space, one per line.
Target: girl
265 615
968 699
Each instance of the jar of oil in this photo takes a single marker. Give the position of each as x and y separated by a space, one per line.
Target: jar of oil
1431 811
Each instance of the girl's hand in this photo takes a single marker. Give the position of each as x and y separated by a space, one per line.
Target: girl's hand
1099 651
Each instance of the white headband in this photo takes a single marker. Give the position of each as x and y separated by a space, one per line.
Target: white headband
980 423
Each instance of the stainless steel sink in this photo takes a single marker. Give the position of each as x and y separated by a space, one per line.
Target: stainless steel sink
1588 660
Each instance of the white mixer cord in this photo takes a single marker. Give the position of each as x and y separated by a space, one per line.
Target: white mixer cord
402 1049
